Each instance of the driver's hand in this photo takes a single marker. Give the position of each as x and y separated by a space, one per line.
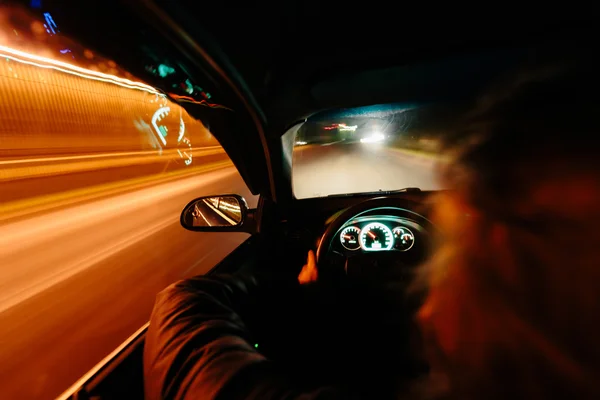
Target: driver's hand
309 270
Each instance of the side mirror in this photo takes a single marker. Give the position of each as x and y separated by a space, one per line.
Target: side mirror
224 213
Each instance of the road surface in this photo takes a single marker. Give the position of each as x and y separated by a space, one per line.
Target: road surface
321 170
78 279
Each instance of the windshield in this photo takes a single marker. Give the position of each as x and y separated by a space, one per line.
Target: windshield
367 149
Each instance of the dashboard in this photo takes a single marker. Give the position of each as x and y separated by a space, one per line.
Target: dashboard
379 239
380 233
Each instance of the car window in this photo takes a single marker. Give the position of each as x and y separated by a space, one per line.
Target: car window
95 168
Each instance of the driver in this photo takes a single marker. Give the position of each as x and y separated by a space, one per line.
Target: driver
513 292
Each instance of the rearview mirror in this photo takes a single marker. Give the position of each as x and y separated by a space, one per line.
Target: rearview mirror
215 213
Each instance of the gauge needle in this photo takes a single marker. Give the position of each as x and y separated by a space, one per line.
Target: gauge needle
372 235
347 237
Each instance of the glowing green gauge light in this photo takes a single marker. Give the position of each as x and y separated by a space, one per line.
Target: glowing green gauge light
349 237
164 70
256 345
404 238
190 86
376 237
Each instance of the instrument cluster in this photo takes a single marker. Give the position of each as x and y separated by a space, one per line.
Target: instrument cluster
379 233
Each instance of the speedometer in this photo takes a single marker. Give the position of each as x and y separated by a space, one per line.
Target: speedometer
376 237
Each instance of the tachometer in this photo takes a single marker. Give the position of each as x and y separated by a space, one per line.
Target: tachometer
349 238
376 237
404 238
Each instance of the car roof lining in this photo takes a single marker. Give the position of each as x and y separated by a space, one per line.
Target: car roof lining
448 80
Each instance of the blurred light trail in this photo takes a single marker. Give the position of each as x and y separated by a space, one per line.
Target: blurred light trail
91 156
90 197
35 204
48 63
78 280
55 123
21 239
76 164
188 99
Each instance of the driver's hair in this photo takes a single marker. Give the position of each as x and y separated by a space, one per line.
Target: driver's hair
513 309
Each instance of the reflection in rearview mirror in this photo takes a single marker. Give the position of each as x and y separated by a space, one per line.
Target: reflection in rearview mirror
216 211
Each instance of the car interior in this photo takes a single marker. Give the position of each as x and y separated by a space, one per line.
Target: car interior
278 66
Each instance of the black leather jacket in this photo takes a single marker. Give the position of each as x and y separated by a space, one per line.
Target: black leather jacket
205 342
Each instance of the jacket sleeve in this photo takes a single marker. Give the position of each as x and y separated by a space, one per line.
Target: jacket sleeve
198 345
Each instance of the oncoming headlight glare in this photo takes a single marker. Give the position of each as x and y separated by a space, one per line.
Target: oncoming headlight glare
374 138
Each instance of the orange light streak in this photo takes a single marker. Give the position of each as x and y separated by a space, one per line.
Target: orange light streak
189 99
48 63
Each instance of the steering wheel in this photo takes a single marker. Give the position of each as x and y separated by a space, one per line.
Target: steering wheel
327 261
398 310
